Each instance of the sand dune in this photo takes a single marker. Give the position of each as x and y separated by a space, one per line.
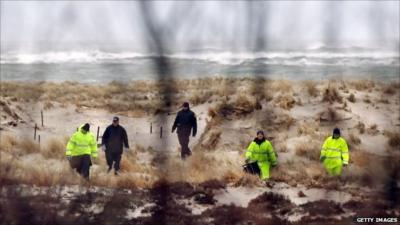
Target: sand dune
296 116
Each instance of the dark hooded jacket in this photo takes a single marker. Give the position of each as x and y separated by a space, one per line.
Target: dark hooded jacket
114 138
185 119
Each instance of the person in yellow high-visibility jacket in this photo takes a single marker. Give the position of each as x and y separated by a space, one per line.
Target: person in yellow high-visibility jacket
335 153
80 147
261 151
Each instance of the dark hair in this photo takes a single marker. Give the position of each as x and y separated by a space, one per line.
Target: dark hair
336 131
185 104
86 127
260 132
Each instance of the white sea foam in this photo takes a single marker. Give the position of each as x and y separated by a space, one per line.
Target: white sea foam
290 58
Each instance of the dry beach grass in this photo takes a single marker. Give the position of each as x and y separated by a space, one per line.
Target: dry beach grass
156 185
285 109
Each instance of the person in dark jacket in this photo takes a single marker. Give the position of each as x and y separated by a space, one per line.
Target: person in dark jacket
113 141
185 121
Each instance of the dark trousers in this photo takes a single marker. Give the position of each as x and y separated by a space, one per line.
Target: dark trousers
183 137
113 158
81 163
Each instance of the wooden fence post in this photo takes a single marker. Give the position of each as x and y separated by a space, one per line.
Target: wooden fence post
98 130
34 133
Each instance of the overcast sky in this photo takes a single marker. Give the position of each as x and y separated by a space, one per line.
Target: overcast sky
235 25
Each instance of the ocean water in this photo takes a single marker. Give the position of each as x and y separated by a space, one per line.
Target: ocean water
94 66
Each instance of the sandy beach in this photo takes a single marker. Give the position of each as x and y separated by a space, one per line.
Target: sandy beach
296 116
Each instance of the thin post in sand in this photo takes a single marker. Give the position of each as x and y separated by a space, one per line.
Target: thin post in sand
161 132
41 113
39 139
98 130
151 128
34 133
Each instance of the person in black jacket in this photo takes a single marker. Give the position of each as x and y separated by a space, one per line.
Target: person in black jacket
185 121
113 141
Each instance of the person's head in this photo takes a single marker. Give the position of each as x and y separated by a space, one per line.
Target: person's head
185 106
336 133
260 135
115 121
85 128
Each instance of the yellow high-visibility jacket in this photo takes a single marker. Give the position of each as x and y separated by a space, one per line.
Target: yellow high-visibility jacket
264 155
261 153
335 151
82 144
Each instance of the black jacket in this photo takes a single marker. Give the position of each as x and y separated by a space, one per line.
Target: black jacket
185 119
114 138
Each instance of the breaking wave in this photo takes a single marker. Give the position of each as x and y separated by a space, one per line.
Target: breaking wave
294 58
